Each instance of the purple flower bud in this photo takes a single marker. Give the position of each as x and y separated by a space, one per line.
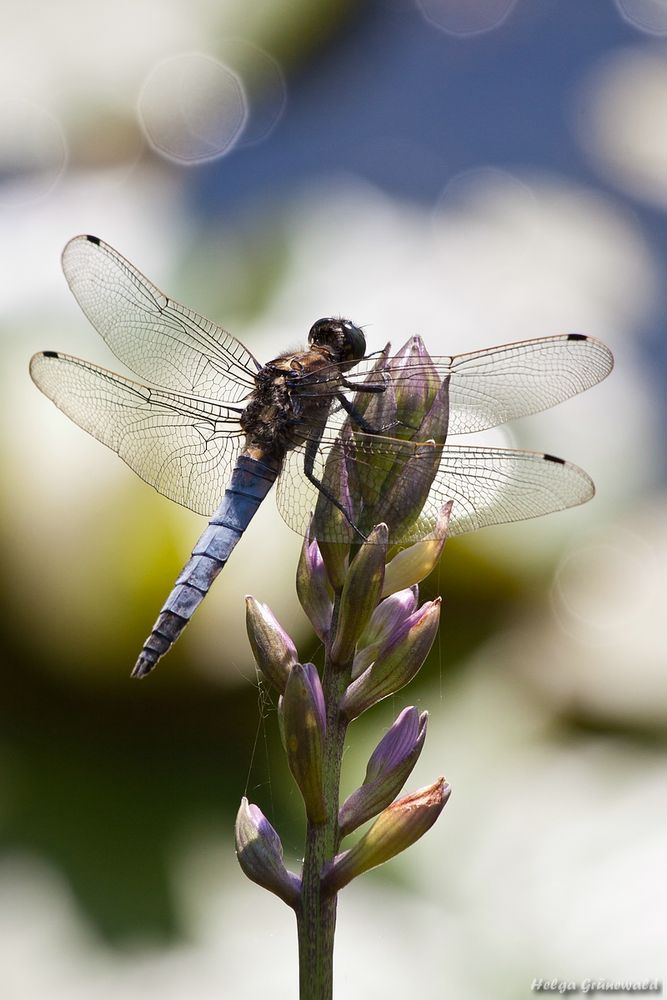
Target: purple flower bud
390 613
388 616
414 564
388 768
395 829
304 724
274 651
360 594
312 587
416 384
397 663
260 854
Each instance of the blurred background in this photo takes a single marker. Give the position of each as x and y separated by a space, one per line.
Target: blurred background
474 171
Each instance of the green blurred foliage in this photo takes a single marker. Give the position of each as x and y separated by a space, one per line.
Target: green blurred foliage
107 779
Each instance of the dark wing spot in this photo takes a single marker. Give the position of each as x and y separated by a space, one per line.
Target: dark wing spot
93 239
552 458
49 354
577 336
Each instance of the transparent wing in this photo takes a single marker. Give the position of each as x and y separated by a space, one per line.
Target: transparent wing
499 485
499 384
159 339
387 480
185 448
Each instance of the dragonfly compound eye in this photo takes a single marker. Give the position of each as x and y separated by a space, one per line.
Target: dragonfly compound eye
341 336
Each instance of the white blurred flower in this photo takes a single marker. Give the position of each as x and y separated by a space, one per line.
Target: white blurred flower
600 652
513 259
82 68
619 116
553 854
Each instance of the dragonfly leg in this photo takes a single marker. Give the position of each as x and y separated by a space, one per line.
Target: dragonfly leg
308 467
357 417
362 386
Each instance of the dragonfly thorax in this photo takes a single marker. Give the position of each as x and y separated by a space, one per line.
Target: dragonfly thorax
288 397
344 340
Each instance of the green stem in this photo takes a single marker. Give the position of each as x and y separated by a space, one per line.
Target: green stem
316 918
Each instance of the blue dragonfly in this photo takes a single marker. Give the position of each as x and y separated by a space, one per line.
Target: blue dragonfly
214 429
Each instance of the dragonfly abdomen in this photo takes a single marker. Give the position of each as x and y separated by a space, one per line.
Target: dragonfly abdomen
250 482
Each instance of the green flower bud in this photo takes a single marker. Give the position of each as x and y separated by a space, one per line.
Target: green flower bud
396 828
331 527
414 564
304 723
379 409
406 489
360 594
274 651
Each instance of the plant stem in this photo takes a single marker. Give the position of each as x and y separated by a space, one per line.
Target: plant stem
316 918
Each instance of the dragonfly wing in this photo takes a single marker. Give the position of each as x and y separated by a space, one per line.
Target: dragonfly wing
495 386
159 339
382 477
499 485
185 448
499 384
296 495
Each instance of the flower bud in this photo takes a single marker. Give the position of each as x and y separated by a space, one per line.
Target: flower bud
389 613
397 663
388 616
406 489
388 768
378 408
312 587
395 829
398 479
416 383
435 423
331 527
414 564
274 651
260 854
360 594
304 725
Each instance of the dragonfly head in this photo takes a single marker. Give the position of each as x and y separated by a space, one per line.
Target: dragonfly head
341 337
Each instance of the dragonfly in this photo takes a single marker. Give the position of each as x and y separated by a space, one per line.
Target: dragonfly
213 429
